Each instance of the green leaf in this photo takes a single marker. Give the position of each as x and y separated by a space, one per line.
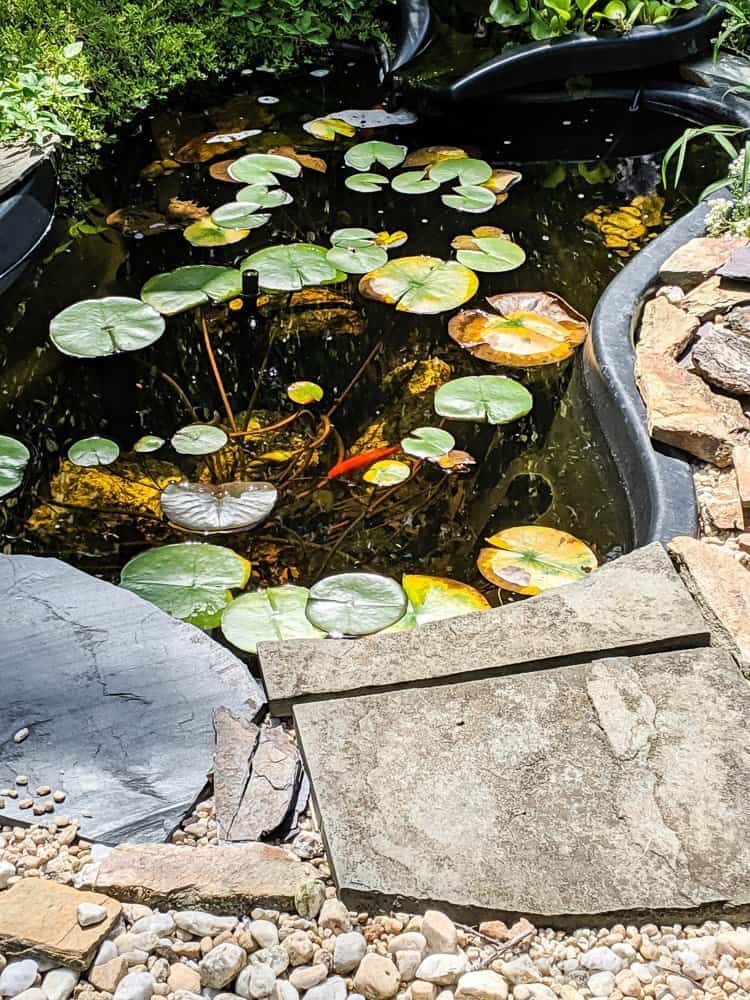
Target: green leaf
96 328
216 508
505 13
263 168
357 260
268 616
366 183
355 603
414 182
14 457
206 233
470 199
467 170
191 581
199 439
425 285
304 393
492 398
238 215
187 287
290 268
493 255
353 237
387 473
530 559
365 154
261 197
93 451
149 442
428 442
72 50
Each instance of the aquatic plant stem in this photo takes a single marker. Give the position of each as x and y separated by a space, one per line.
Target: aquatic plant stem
216 374
355 378
175 385
259 377
271 427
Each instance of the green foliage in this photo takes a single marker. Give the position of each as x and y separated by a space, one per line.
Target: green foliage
540 19
31 99
735 29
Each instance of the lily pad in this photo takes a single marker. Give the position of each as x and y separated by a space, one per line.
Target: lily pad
434 598
425 285
492 398
391 240
469 198
304 392
468 171
213 509
329 129
263 168
290 268
353 237
357 260
191 581
149 442
238 215
501 182
414 182
387 473
526 329
186 287
355 603
375 117
530 559
428 442
96 328
93 451
199 439
206 233
456 462
268 616
365 154
366 183
14 457
262 197
428 155
492 255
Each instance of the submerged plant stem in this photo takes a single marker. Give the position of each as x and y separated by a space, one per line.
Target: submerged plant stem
216 373
357 375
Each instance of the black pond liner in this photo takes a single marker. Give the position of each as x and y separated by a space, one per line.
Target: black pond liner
26 213
560 58
657 480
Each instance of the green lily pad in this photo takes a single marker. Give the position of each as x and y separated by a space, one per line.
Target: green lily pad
206 233
355 603
492 398
357 260
263 168
199 439
414 182
388 472
93 451
434 598
425 285
191 581
267 616
428 442
365 154
186 287
304 392
14 457
261 197
149 442
467 170
353 237
216 508
238 215
366 183
290 268
96 328
493 255
470 199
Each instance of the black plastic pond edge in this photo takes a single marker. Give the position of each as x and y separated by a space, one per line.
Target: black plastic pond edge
574 55
414 32
26 214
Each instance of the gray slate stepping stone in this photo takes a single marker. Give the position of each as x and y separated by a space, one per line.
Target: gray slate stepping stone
118 698
635 604
579 795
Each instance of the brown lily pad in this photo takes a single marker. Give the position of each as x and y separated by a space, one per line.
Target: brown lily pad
186 211
501 182
220 172
139 220
456 462
209 145
315 163
480 233
524 330
430 155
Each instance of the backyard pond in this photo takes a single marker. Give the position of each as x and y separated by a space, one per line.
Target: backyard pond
366 452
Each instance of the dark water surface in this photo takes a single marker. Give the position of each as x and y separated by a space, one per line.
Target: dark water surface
550 467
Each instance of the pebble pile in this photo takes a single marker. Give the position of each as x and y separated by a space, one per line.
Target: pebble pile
325 952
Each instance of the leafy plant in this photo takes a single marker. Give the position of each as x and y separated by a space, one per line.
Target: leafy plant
30 98
541 19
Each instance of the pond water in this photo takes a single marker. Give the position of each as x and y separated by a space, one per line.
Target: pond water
549 467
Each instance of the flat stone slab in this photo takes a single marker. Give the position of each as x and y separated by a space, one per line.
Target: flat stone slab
117 696
19 159
223 879
40 918
635 604
576 795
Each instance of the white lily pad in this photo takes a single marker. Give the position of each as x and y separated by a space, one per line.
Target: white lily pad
214 509
199 439
92 451
96 328
14 457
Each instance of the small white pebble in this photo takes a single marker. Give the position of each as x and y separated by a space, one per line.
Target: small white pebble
21 735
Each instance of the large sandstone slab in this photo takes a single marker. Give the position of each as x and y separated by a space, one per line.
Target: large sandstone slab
118 698
697 259
224 879
618 789
40 917
635 604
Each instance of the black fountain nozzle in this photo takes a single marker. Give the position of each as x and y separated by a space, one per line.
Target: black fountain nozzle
250 284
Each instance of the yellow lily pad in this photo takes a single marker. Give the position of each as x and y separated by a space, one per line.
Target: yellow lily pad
530 559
